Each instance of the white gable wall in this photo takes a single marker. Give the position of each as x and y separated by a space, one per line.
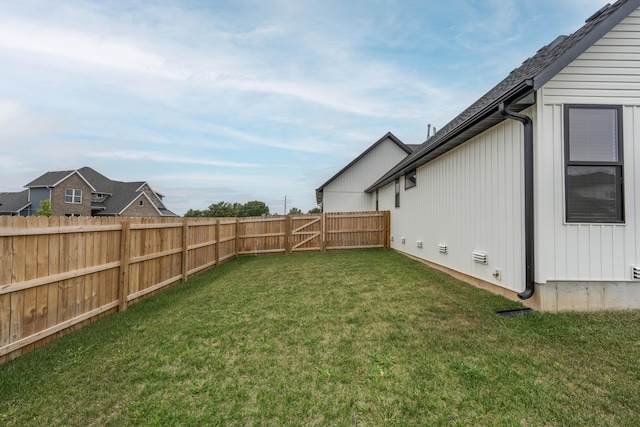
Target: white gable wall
607 73
346 192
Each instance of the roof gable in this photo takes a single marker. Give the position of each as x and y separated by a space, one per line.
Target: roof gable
140 196
387 136
52 179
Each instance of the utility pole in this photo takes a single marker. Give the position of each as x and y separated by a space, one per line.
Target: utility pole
285 205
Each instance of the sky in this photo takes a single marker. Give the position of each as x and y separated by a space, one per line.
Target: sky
243 100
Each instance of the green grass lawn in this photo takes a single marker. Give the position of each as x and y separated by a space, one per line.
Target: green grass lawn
344 338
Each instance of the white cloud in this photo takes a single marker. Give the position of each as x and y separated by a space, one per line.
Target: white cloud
82 47
20 128
165 158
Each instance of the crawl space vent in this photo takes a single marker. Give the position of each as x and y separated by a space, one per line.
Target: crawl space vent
480 257
443 249
635 272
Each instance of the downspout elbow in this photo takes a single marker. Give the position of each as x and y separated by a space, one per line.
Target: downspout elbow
528 198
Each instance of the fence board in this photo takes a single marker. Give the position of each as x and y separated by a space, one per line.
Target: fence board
31 270
58 274
53 252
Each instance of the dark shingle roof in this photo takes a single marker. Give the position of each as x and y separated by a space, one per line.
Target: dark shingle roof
49 179
121 194
14 202
99 182
516 89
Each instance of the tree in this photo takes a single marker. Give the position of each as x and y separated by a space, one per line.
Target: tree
229 210
45 208
315 210
223 210
254 208
294 211
194 214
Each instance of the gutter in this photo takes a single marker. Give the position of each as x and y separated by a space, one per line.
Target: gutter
528 198
445 136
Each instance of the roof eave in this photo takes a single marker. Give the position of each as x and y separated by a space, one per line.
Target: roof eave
519 97
388 135
584 43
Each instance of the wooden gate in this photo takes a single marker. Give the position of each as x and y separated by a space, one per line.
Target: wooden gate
306 233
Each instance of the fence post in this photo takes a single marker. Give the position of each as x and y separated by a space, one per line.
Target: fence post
323 220
387 229
237 249
125 250
287 234
217 246
185 249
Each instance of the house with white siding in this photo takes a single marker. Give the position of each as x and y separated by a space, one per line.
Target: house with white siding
533 192
343 192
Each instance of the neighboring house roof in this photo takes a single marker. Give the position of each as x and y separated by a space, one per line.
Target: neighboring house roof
389 136
517 90
99 182
120 194
14 202
51 179
167 212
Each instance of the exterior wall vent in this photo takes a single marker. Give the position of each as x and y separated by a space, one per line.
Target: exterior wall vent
443 249
403 240
480 257
419 243
392 238
635 272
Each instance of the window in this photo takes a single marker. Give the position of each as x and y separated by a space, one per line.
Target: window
410 179
397 192
593 160
72 195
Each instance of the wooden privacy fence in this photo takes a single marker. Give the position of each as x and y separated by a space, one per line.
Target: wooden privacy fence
58 274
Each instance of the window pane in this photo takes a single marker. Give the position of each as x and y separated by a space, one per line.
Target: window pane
593 135
410 179
592 193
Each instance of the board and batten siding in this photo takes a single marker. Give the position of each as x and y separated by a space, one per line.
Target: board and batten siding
469 199
606 73
346 192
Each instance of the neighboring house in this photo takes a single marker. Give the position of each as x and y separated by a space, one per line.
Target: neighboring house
534 190
344 192
14 203
85 192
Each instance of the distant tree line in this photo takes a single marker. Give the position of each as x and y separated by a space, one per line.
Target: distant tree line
238 210
226 210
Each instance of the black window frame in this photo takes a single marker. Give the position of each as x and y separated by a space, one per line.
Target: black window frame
410 179
377 201
397 186
571 217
